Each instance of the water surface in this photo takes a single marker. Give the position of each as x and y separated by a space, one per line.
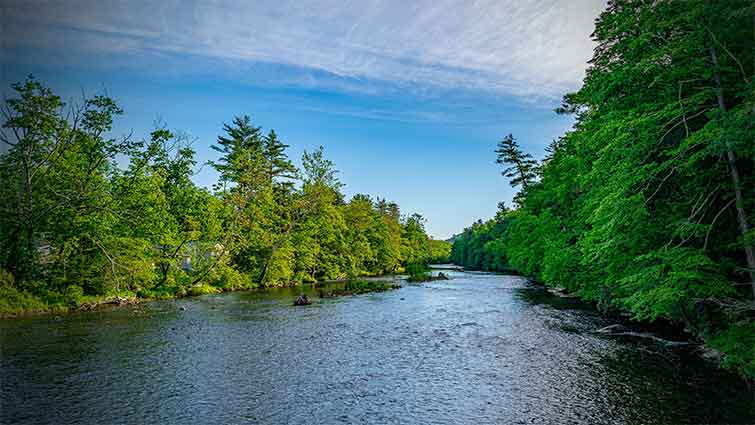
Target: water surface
477 349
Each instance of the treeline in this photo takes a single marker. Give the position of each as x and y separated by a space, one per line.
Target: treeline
646 205
87 214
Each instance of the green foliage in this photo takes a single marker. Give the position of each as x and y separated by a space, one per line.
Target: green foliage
481 246
89 216
440 251
418 272
13 301
738 342
520 167
202 289
74 294
162 292
227 278
646 204
661 283
361 286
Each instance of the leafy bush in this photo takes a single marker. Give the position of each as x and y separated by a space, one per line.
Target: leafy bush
160 292
417 272
13 301
361 286
74 294
229 279
738 342
202 289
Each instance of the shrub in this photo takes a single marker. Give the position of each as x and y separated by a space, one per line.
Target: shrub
13 301
73 295
202 289
229 279
738 342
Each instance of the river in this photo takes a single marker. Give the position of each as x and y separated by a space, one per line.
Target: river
478 349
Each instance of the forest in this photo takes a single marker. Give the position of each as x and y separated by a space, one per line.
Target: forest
646 205
88 215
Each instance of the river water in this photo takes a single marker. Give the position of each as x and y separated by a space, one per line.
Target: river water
478 349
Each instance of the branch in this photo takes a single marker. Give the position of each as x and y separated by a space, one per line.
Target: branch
707 234
731 55
673 169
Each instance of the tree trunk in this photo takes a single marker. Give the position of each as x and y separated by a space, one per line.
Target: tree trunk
731 158
28 217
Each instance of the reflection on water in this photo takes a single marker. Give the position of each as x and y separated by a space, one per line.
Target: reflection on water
479 348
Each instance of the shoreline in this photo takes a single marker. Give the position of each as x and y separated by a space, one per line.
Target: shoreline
671 335
107 302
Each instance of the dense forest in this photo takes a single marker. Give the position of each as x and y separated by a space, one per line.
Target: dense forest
646 204
87 215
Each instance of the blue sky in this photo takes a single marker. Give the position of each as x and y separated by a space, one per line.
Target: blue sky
409 100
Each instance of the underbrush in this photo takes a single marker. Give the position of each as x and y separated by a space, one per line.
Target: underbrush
738 344
359 286
13 301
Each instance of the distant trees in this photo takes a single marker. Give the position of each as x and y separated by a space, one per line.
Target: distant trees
86 214
646 204
482 245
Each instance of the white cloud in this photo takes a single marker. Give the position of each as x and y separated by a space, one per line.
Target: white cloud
525 48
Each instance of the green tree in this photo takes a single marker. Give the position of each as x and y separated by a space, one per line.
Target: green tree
520 168
645 205
36 134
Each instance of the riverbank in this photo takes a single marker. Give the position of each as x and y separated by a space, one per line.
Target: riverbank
478 349
733 350
15 303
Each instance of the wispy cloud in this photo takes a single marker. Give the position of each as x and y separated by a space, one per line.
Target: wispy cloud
524 48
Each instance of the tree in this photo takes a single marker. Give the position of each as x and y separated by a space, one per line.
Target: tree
58 165
244 167
520 168
322 219
36 135
281 171
388 236
88 214
320 171
415 244
645 204
240 149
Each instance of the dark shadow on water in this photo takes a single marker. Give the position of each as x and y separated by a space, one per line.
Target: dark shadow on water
535 294
494 350
676 385
644 380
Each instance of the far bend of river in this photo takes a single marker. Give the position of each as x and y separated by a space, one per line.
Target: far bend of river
478 349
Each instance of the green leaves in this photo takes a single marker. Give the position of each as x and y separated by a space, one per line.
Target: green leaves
738 342
664 282
76 219
521 169
638 207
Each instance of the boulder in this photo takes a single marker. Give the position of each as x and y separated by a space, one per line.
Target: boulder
302 300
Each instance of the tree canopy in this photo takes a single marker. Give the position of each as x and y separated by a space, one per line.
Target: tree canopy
88 214
646 205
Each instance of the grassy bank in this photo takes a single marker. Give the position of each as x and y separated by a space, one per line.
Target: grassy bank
15 303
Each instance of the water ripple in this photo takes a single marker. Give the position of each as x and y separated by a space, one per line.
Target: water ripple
477 349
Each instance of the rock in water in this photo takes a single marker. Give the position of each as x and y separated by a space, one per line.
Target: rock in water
302 300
